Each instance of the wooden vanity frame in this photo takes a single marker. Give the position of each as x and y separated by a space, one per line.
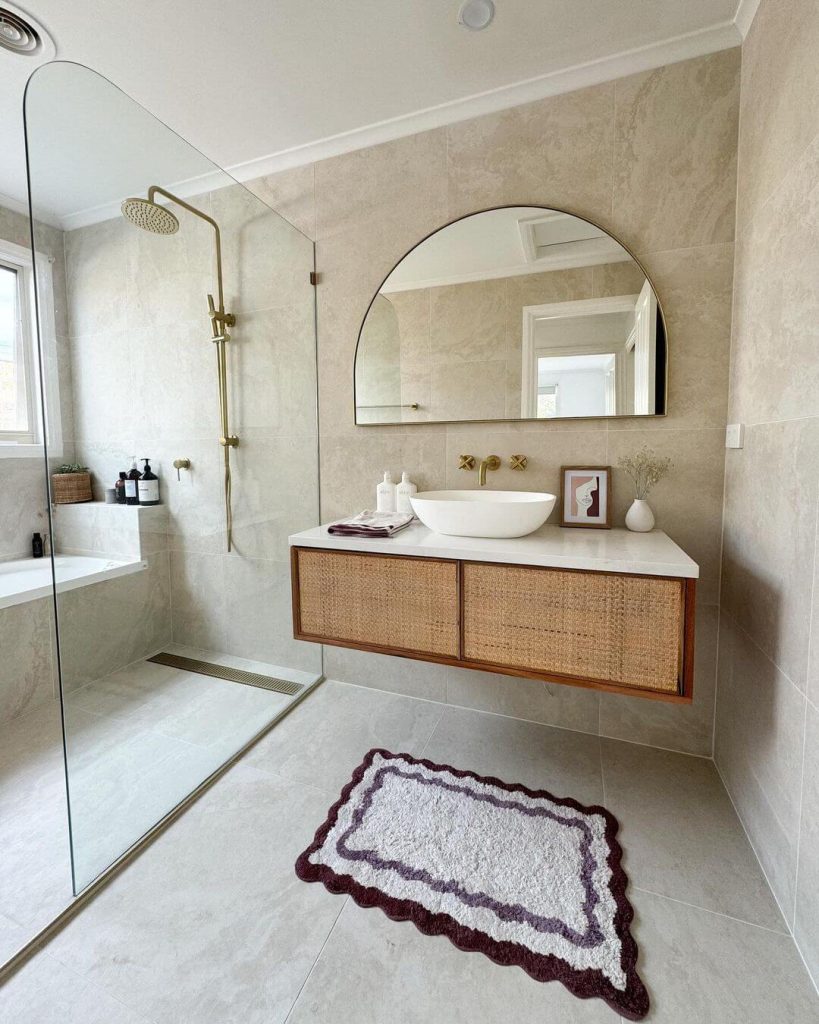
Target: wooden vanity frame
685 690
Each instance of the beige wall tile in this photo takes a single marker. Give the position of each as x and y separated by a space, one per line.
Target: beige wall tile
675 159
569 707
26 668
806 922
290 193
774 371
555 152
382 672
688 502
770 516
758 749
694 288
779 73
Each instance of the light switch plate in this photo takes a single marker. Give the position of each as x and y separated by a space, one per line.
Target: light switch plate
735 435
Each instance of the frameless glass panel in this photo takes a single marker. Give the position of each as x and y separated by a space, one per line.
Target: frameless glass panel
188 321
458 330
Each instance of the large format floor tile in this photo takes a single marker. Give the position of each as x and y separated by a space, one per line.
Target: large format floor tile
680 833
210 925
564 763
374 970
331 732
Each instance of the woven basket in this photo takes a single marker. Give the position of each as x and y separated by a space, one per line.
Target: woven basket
70 488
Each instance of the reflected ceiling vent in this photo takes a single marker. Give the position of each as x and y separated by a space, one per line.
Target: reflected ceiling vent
20 34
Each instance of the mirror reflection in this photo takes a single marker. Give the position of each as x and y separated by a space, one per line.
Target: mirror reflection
513 313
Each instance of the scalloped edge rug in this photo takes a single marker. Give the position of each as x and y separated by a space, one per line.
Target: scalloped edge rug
524 877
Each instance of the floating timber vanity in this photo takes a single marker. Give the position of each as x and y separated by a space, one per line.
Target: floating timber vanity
611 610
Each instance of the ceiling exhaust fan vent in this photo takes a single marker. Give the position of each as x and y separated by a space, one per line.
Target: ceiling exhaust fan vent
19 35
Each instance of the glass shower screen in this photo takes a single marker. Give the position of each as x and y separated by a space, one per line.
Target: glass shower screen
178 351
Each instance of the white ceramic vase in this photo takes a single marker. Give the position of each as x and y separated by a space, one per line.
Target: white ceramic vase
639 517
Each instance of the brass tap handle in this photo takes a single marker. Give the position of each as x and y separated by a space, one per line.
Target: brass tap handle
518 462
467 462
181 464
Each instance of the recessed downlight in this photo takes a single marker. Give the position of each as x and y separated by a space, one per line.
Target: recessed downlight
22 35
476 14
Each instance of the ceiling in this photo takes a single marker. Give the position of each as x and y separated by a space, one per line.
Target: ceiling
259 85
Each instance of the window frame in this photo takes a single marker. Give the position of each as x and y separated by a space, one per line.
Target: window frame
35 295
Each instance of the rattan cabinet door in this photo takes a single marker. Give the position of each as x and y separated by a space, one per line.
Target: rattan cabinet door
400 604
592 626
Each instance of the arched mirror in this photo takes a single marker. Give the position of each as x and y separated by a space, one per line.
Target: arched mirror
514 313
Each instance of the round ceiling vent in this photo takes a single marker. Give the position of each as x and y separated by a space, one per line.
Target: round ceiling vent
476 14
20 34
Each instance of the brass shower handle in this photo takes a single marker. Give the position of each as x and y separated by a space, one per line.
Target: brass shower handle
219 316
179 464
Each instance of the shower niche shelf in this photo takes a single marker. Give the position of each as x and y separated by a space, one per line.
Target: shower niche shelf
613 612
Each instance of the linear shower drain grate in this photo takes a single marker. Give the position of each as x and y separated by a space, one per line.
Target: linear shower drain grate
233 675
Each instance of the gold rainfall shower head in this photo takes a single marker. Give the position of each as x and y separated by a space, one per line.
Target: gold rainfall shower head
150 216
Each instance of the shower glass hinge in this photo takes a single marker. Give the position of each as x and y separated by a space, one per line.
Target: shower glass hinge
314 277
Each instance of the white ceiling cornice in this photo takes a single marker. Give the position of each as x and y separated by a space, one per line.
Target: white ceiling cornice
743 19
580 76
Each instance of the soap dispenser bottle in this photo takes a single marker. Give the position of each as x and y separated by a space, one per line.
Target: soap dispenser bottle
131 484
119 488
385 494
404 491
148 486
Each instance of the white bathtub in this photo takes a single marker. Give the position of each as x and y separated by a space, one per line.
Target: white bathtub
28 579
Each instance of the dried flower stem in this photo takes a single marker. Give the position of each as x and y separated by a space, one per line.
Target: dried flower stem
645 469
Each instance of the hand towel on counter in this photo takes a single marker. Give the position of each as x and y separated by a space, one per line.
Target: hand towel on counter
372 524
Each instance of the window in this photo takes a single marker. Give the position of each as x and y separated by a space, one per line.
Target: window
17 409
21 430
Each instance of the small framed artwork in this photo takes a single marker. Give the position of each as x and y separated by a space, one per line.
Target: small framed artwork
585 496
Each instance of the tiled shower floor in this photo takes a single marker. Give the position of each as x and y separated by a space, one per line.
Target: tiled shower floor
138 741
210 925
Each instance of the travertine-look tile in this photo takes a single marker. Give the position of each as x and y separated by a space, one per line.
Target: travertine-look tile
383 672
687 503
290 193
700 966
45 991
779 70
26 670
96 270
680 834
770 515
219 883
806 921
334 729
688 727
568 707
564 763
758 750
694 289
351 467
373 969
774 373
547 449
660 202
556 151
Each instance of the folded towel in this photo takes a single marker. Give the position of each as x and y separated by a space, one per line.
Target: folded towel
372 524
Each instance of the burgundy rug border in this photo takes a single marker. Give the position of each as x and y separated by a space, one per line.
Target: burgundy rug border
633 1003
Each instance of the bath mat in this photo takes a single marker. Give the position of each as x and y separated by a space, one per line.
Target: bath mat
517 874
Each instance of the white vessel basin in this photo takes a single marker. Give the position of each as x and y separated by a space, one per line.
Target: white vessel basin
483 513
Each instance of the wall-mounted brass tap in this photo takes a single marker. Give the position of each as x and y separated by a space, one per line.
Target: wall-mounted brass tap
490 462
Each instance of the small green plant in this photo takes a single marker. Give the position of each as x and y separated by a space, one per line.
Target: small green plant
645 468
71 467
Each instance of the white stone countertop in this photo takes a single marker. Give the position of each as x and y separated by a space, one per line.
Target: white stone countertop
616 550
